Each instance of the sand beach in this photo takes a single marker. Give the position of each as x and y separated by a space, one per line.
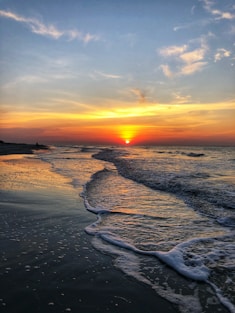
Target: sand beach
47 261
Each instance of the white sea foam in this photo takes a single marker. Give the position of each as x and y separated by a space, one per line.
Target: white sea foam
130 264
175 259
223 299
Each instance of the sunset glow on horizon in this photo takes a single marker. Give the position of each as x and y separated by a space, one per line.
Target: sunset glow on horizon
118 73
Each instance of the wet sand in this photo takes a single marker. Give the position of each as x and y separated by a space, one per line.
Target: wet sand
47 261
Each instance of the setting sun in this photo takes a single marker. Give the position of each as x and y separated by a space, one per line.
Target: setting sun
127 133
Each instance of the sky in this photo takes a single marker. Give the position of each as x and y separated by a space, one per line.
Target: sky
107 72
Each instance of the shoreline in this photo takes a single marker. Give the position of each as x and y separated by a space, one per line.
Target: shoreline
49 263
20 148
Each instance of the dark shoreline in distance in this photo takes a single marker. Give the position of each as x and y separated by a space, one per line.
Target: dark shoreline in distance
19 148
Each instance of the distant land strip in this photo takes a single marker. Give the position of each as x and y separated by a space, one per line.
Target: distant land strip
19 148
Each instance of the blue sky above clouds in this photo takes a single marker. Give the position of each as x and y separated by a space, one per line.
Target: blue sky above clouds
139 42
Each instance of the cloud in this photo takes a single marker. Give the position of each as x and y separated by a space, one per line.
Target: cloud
193 24
192 68
97 74
172 50
26 79
39 28
193 9
221 53
105 75
166 71
140 94
187 60
176 28
219 14
181 99
193 56
35 25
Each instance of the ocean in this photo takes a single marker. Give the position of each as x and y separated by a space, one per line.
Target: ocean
166 216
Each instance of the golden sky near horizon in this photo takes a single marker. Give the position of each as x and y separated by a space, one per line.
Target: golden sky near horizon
149 124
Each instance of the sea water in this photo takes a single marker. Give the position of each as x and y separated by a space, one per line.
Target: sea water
165 214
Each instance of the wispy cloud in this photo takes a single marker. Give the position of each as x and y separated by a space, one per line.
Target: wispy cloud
187 60
36 80
166 70
192 68
219 14
193 9
39 28
221 53
26 79
193 24
97 74
140 94
172 50
181 99
106 75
